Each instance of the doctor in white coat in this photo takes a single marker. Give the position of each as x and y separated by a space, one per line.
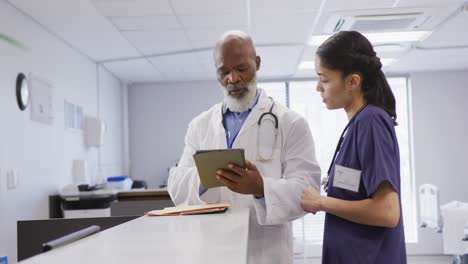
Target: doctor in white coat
281 161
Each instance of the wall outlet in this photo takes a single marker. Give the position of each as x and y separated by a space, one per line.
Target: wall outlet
12 179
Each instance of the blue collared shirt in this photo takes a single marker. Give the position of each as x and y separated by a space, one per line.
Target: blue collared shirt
233 121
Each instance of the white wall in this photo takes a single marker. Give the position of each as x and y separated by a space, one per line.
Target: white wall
440 125
112 94
42 154
158 120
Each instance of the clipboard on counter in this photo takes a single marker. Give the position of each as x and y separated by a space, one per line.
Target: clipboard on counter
191 210
209 161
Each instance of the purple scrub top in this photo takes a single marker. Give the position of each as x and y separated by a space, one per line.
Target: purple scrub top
370 145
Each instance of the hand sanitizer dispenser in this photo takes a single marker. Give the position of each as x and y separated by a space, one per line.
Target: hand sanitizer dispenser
3 258
95 130
80 172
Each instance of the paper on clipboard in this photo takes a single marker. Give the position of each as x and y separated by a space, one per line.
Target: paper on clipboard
190 210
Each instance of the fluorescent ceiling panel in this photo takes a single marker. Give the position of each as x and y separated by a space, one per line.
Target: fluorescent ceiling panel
380 37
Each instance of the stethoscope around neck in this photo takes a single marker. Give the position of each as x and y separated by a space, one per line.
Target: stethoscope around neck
265 115
338 147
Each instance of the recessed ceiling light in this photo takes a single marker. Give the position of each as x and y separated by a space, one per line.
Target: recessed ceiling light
388 48
310 65
380 37
387 61
307 65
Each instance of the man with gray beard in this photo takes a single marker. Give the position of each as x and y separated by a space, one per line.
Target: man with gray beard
279 151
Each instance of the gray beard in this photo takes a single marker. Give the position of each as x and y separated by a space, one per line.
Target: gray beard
242 104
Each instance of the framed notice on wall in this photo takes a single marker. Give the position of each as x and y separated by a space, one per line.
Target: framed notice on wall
41 100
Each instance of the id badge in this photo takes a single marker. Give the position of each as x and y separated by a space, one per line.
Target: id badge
346 178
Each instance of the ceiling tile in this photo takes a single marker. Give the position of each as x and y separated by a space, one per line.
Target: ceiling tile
294 28
145 23
206 38
188 76
200 7
158 41
185 66
133 8
309 53
426 3
333 5
417 60
230 21
134 70
207 61
453 33
80 25
281 6
278 61
178 63
307 73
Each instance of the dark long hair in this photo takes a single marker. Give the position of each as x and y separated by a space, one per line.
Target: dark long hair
351 52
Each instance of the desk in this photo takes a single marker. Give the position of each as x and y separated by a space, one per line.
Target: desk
150 194
129 203
214 238
138 202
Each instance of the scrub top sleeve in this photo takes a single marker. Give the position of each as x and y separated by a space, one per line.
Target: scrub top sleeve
377 153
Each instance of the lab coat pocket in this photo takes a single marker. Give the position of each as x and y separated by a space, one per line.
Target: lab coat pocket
267 140
271 167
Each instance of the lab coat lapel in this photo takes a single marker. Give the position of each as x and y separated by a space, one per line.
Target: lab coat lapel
220 134
257 111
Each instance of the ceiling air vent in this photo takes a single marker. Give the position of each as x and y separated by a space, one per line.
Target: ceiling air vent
376 23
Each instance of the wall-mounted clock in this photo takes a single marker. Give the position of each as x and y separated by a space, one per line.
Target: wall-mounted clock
22 91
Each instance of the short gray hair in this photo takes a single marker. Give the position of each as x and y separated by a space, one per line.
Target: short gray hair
234 34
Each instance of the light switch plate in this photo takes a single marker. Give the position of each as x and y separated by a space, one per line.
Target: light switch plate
12 179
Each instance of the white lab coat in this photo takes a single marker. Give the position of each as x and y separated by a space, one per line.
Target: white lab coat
293 168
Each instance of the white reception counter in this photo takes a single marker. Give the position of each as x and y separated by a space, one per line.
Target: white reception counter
212 238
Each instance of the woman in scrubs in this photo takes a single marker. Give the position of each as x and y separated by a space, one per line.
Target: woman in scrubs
363 222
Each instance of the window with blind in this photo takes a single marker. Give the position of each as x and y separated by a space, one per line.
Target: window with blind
326 127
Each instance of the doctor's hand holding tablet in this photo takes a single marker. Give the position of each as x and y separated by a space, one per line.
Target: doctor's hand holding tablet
228 167
243 181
